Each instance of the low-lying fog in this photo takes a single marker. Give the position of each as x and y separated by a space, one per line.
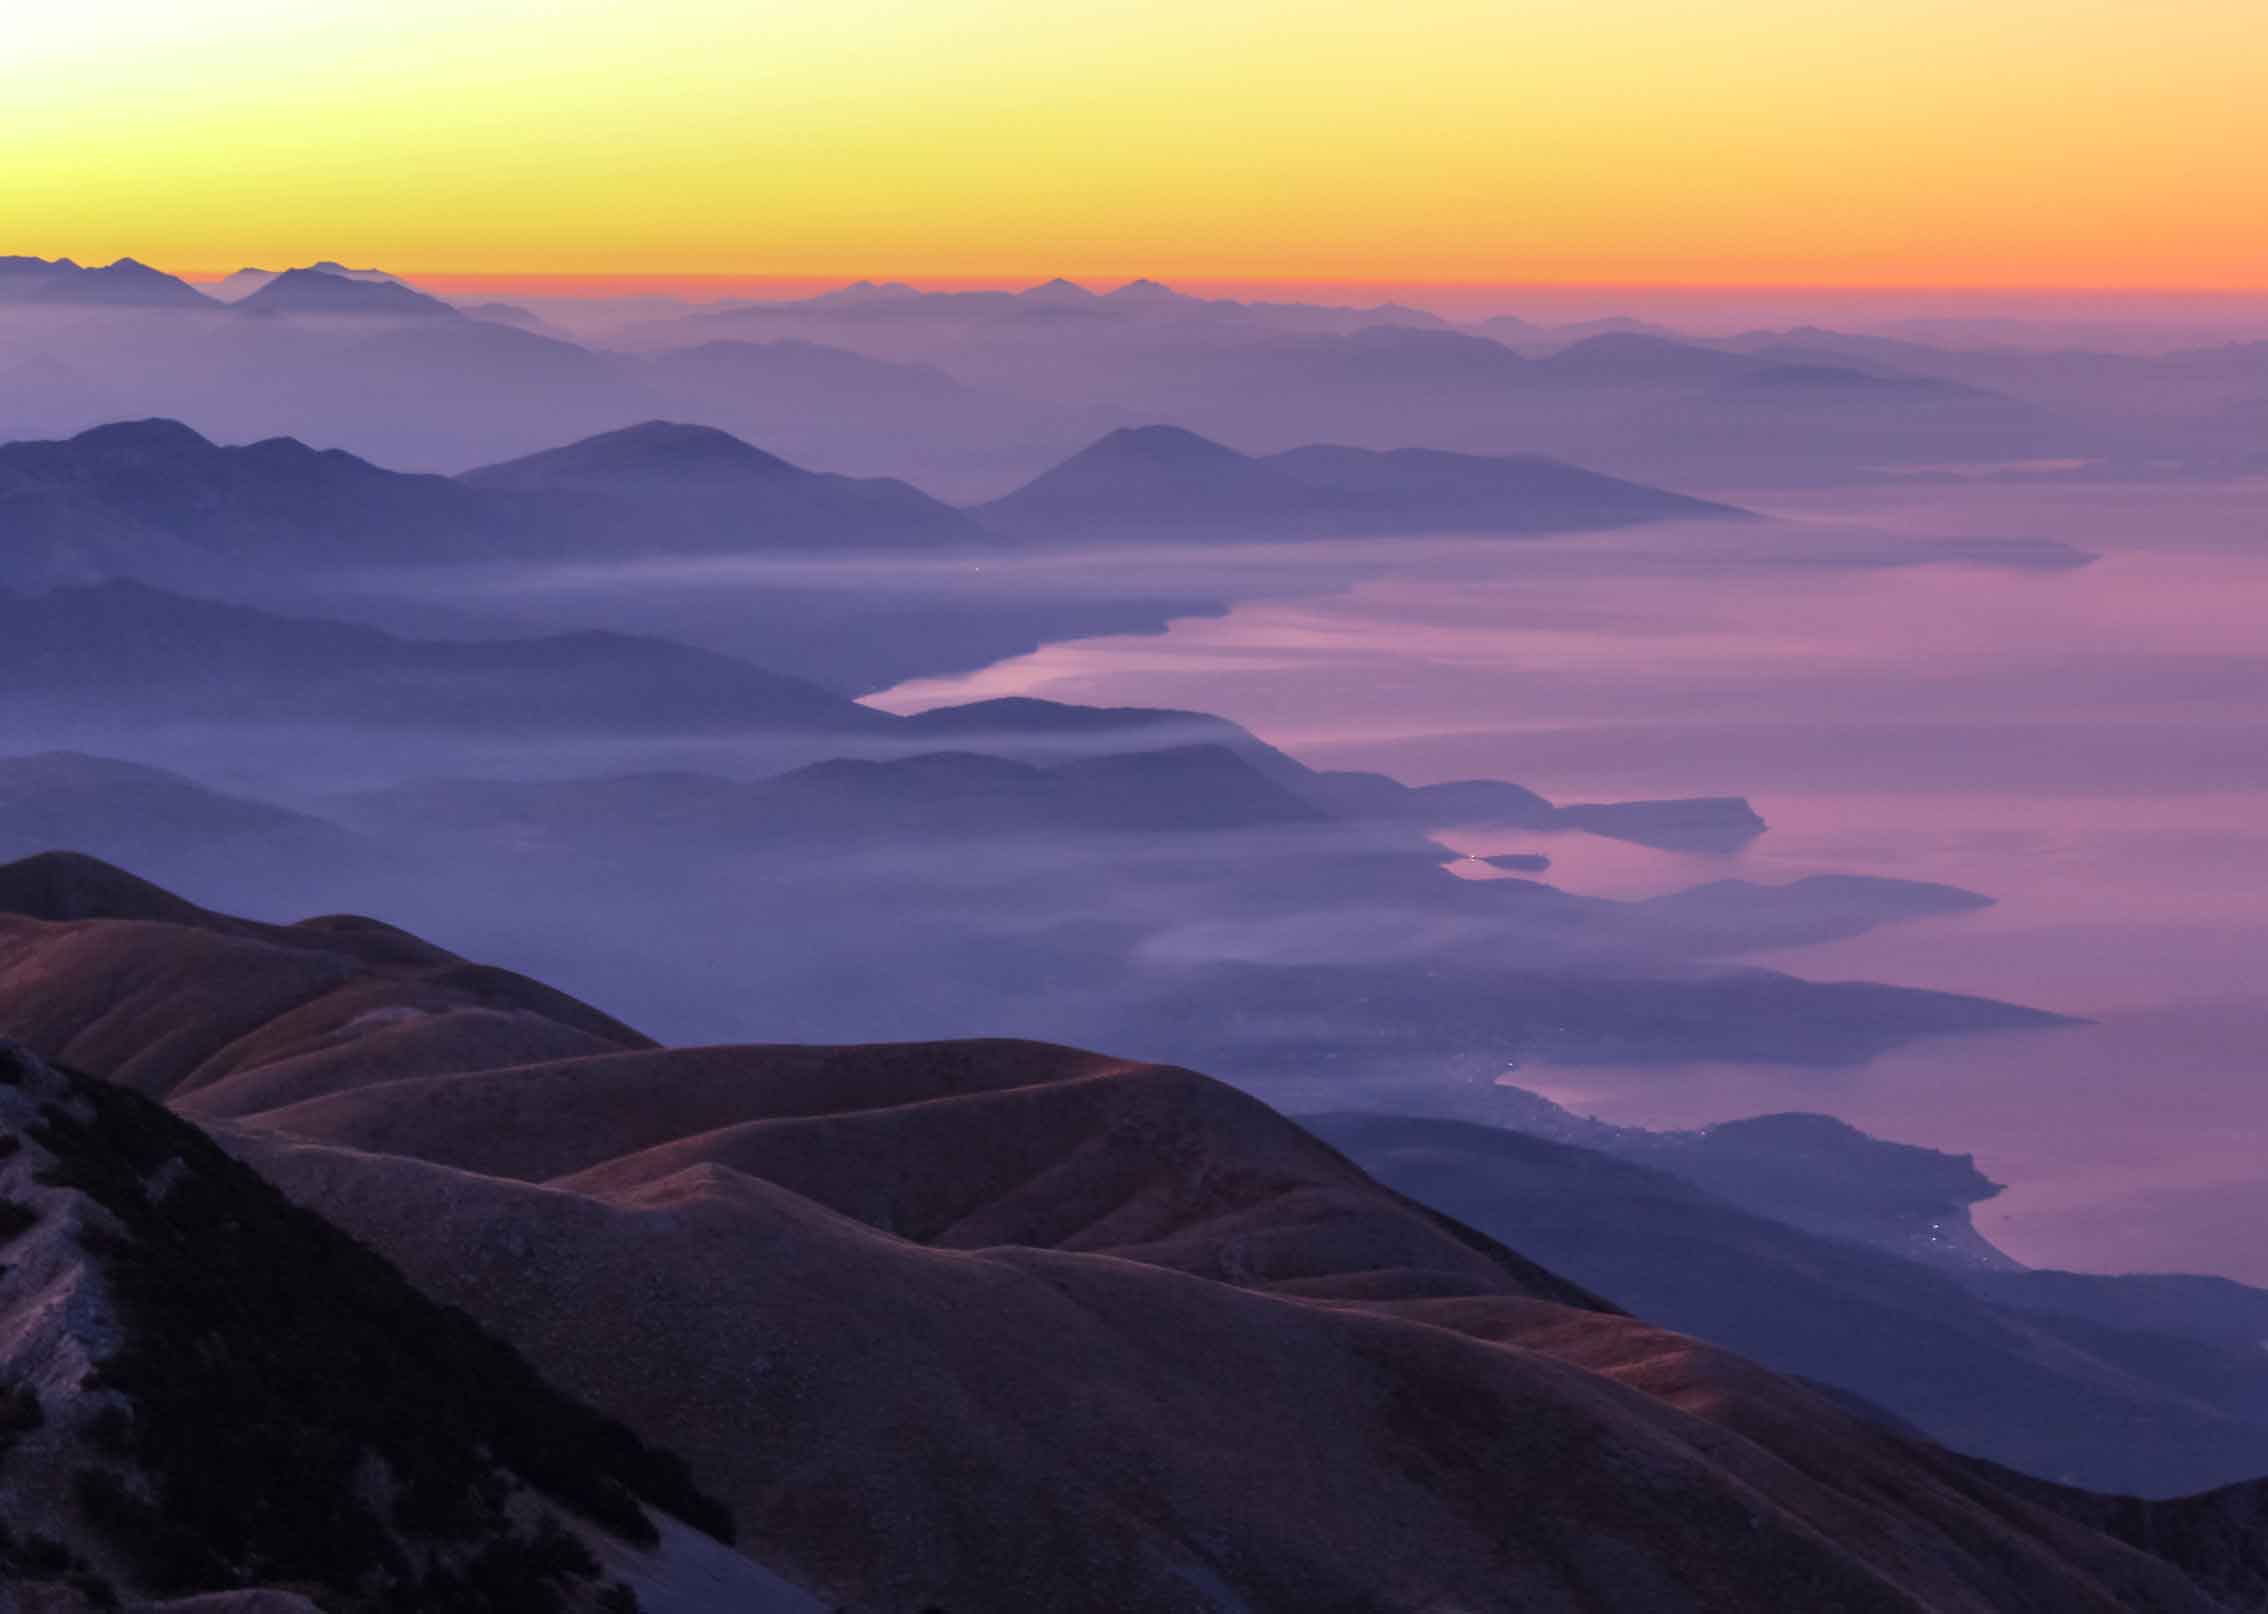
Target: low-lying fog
2084 744
1947 670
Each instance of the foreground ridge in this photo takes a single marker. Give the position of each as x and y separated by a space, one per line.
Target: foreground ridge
1006 1325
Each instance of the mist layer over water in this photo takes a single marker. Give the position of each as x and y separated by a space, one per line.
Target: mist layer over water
2083 743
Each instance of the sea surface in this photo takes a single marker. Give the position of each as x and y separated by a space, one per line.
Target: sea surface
2086 743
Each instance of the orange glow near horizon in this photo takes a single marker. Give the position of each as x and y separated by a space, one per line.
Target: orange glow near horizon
2023 145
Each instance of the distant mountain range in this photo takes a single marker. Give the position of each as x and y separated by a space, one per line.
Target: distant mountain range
153 499
139 656
320 289
63 283
156 500
1055 301
970 392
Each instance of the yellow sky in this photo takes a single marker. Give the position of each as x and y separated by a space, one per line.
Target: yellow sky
1848 142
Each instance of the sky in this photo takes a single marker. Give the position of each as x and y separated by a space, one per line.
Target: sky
1867 143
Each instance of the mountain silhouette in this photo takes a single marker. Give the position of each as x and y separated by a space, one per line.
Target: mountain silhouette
126 812
134 654
240 285
941 797
1058 290
155 500
322 291
722 492
1143 293
1165 481
123 284
658 450
152 497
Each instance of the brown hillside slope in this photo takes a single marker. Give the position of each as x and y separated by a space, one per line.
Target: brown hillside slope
998 1325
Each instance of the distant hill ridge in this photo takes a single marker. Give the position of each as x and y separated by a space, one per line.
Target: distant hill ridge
661 449
1166 481
323 292
123 284
156 500
127 650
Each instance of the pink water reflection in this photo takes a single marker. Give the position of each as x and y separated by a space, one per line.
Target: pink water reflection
2086 745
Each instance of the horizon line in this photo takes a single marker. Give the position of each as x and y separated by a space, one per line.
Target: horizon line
1109 281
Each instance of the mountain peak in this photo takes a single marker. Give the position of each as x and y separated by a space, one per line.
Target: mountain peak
673 444
1058 290
328 291
652 448
867 291
1144 290
331 266
1144 479
68 886
1160 445
124 283
154 436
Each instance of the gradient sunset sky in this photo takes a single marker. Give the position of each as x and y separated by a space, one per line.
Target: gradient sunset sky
1985 143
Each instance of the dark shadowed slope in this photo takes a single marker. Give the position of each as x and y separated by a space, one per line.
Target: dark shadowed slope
207 1388
710 490
999 1325
1165 482
2108 1402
